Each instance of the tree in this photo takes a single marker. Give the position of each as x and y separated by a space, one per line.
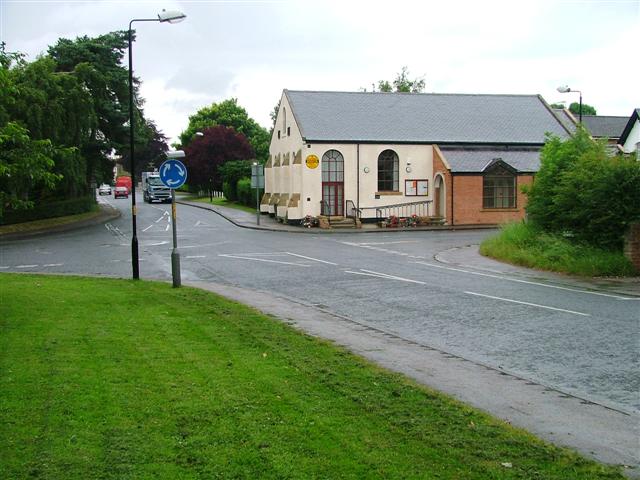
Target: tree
557 106
206 154
97 62
25 165
402 83
582 191
586 109
52 105
151 147
231 172
273 115
229 114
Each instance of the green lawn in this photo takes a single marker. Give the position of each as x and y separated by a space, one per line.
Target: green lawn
522 244
112 379
223 202
47 223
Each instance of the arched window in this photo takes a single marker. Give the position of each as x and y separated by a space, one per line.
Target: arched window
332 183
499 186
388 171
284 119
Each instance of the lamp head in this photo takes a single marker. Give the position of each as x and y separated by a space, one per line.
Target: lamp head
172 16
175 154
564 89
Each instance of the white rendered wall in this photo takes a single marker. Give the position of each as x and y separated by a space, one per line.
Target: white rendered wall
631 144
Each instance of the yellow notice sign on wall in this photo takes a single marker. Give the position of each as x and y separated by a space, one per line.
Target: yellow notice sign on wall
312 161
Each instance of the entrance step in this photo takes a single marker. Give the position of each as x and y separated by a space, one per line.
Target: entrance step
337 222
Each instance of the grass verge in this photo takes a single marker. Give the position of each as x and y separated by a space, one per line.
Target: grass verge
47 223
103 378
222 202
523 244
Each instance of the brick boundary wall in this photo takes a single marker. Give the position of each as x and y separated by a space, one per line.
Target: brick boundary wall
632 245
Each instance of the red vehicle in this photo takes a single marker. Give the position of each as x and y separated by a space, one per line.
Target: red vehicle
124 182
121 192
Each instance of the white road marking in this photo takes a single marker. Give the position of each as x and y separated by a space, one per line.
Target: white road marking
164 242
264 260
3 268
200 223
386 276
164 214
196 256
384 243
53 264
167 227
509 279
310 258
26 266
527 303
147 228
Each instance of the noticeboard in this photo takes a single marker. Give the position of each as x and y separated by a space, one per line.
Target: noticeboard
416 188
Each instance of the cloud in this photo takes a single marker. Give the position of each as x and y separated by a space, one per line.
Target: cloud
253 49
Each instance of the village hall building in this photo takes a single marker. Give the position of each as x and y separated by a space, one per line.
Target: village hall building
461 157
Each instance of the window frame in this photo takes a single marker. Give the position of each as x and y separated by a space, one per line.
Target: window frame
392 175
499 187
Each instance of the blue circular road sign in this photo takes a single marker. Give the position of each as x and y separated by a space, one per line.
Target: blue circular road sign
173 173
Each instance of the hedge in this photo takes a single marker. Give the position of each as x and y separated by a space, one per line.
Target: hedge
57 208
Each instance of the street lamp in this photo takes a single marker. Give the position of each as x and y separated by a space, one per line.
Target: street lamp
163 17
566 89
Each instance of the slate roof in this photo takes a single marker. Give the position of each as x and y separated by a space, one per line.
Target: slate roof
423 118
565 118
474 161
605 126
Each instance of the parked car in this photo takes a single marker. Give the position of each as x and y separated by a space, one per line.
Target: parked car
121 192
104 189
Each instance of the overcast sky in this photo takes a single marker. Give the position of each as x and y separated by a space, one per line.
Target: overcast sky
252 50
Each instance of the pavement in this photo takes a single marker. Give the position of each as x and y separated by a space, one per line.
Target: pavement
244 219
597 431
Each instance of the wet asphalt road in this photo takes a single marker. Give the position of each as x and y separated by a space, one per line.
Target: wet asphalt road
579 341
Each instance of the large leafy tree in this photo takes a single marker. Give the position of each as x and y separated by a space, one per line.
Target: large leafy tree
581 191
229 114
586 109
26 165
52 105
97 62
402 83
151 147
205 154
575 108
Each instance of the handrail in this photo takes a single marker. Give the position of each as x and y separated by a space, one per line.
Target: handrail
406 209
352 212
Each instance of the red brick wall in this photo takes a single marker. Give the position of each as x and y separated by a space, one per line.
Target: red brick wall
632 245
467 202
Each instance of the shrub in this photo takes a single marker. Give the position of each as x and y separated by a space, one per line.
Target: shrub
51 209
244 192
229 191
583 191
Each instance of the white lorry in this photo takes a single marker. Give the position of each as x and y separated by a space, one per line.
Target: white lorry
153 190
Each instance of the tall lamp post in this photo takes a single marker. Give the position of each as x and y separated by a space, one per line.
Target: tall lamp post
566 89
163 17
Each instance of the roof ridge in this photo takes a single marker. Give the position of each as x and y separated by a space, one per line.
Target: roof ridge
418 93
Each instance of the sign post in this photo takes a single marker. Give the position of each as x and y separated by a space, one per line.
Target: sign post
257 182
173 174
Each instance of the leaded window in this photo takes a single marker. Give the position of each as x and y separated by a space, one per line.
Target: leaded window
499 188
388 168
332 166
